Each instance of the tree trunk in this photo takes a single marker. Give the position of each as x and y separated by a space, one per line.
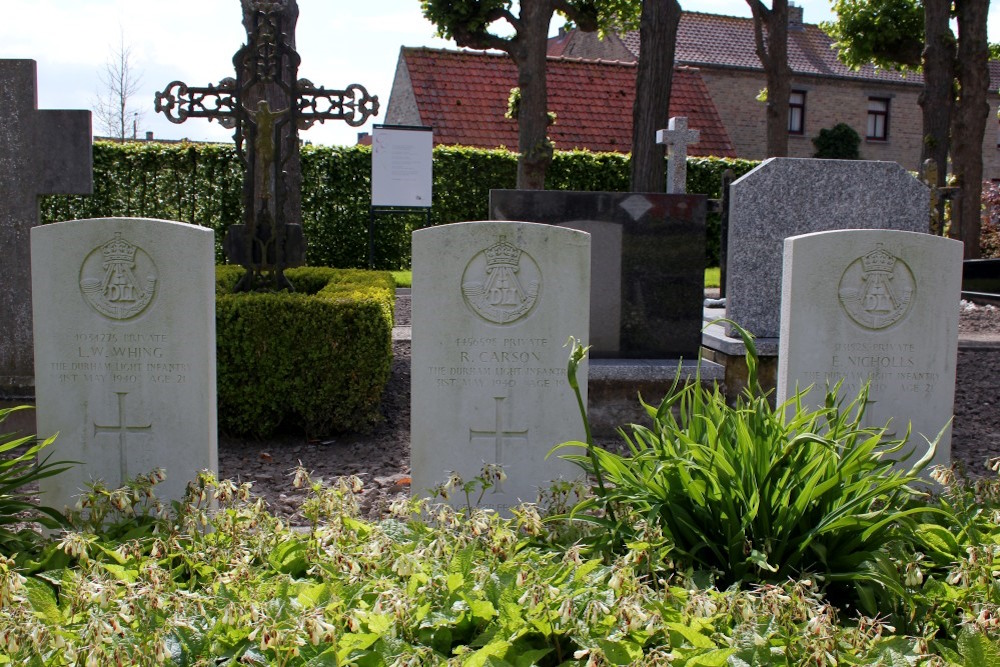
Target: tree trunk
969 121
651 109
937 97
772 49
528 51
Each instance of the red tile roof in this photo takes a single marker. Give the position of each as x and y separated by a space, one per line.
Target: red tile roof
712 40
463 96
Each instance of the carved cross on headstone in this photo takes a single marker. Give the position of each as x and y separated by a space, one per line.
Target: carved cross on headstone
267 105
122 429
499 435
41 153
677 137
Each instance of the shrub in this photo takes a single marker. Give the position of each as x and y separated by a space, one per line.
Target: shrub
201 184
840 142
317 359
755 493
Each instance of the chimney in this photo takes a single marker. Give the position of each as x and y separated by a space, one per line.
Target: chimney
795 17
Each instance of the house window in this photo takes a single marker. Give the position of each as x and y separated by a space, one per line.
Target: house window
797 112
878 118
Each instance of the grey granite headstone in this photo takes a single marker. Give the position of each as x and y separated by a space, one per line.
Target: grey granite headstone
787 197
877 307
647 262
493 305
125 351
41 153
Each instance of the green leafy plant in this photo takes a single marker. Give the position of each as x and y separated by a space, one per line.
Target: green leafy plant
752 493
221 581
19 467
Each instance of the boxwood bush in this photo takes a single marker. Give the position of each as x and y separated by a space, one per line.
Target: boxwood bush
316 360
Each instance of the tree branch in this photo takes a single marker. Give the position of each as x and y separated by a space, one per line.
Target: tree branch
586 21
504 14
760 16
480 39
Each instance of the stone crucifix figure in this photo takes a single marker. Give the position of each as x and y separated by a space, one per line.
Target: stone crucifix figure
267 105
677 137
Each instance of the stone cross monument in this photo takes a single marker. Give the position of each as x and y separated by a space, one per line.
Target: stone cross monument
677 137
41 153
267 105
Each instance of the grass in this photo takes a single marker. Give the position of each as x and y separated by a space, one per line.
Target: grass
402 278
405 278
712 276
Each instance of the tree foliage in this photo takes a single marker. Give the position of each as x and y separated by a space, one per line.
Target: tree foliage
520 29
887 33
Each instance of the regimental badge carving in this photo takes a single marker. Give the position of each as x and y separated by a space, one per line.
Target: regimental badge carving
877 289
118 279
501 284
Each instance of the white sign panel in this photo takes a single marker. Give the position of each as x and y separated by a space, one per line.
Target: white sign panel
401 166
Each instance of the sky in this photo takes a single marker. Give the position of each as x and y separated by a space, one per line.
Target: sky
340 42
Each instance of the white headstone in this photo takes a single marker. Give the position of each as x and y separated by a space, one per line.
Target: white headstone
874 306
493 305
677 137
124 316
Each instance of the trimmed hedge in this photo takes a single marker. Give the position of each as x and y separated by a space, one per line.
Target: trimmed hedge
316 360
201 184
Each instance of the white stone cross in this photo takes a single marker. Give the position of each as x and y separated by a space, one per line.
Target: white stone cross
499 435
41 153
677 137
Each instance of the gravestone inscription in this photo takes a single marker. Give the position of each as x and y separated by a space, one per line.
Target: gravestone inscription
125 351
41 153
878 307
792 196
493 304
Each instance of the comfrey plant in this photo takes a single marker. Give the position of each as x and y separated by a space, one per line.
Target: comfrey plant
752 494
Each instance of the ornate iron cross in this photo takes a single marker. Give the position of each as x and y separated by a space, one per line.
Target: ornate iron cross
267 105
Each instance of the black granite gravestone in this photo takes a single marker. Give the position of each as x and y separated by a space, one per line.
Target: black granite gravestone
647 264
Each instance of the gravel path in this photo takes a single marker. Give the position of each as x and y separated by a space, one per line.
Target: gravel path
381 458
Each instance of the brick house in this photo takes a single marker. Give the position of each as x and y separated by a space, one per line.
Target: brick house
882 106
464 95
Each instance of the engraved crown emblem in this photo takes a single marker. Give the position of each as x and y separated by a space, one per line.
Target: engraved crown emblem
119 250
878 260
502 253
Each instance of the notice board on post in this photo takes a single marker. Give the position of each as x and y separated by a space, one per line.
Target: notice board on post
401 166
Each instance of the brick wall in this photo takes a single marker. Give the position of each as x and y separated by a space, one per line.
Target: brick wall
402 106
829 102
